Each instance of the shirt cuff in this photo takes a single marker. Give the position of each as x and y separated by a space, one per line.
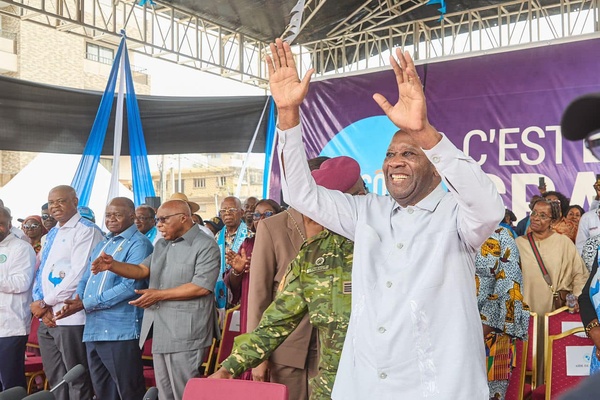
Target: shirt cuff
443 152
292 135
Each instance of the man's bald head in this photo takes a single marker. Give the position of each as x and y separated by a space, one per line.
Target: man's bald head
176 206
174 219
123 202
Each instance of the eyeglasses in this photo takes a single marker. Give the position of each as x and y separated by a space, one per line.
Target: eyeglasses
224 211
113 215
142 219
31 226
164 219
58 202
266 214
47 217
535 214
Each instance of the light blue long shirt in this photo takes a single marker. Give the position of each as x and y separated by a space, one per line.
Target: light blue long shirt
106 296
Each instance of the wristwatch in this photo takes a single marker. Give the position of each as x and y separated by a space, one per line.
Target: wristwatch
42 304
591 326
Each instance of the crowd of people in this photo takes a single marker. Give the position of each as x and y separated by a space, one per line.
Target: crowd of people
343 294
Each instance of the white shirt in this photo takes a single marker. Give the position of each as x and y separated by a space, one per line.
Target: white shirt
19 233
68 256
589 225
206 230
17 268
415 330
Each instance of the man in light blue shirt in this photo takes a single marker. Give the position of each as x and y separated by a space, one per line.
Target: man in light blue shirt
112 327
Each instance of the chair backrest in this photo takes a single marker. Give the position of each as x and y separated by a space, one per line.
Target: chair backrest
227 338
233 389
209 358
515 386
557 380
553 323
32 340
147 350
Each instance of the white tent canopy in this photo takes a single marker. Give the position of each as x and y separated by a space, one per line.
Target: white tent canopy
28 190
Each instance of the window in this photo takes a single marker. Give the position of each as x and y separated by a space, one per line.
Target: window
199 182
222 181
101 54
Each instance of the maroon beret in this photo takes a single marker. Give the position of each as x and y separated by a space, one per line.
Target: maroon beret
338 173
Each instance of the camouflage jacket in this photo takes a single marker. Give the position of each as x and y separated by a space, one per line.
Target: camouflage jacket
317 282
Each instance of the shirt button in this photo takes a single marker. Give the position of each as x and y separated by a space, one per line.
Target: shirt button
388 284
106 331
410 211
383 375
381 329
435 159
399 245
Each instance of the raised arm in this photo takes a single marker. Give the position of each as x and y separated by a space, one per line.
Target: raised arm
410 111
287 89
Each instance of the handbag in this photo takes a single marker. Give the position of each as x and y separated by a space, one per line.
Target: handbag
559 297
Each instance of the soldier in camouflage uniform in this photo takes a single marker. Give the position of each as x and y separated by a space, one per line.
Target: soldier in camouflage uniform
317 282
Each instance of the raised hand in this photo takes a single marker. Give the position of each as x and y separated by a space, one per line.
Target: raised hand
239 262
287 89
410 112
70 307
102 263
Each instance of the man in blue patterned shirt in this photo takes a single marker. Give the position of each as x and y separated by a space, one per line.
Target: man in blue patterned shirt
112 327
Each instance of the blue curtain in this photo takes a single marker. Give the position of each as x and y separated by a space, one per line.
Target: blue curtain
269 148
86 170
140 170
83 180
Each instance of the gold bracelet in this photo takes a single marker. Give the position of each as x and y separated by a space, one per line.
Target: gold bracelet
235 273
590 326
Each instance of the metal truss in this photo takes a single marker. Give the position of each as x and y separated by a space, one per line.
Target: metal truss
359 42
160 30
352 47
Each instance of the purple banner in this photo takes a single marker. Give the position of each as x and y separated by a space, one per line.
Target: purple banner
502 109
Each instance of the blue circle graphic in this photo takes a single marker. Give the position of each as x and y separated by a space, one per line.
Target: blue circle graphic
366 141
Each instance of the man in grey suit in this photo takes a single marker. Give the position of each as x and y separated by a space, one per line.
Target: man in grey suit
179 305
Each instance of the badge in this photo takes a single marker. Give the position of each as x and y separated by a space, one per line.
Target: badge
320 261
3 258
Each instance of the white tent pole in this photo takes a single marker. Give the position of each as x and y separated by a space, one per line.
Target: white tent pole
238 189
113 190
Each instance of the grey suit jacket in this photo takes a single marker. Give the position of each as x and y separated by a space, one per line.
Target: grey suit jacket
182 325
277 243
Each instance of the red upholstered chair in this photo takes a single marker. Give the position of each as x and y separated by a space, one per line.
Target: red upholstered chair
531 360
233 389
33 345
557 380
517 387
522 379
34 369
209 359
553 326
148 362
227 338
